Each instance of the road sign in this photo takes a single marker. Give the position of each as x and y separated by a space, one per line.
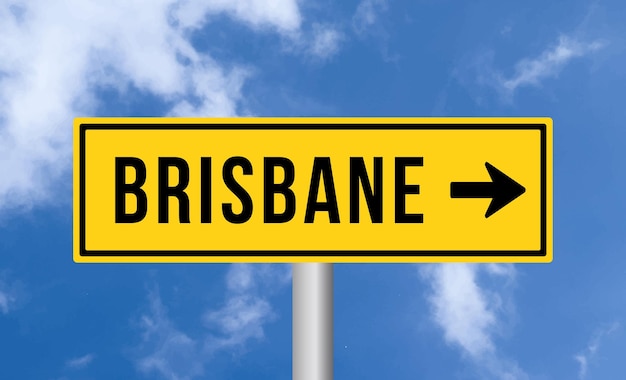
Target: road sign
313 190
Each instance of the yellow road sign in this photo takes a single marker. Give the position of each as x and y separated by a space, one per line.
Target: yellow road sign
313 190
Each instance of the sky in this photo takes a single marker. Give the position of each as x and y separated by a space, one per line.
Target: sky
67 58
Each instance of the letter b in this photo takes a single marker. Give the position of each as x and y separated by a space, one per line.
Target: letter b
122 188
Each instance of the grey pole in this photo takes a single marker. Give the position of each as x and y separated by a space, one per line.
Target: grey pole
312 292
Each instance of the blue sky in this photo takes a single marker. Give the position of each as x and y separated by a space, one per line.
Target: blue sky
63 59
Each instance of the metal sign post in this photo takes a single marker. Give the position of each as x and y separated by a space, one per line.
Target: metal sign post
312 321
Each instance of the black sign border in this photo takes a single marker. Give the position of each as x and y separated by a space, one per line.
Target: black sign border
84 127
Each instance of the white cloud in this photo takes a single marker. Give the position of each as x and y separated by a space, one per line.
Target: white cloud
8 297
80 362
531 71
57 55
317 42
325 41
5 300
582 362
172 354
245 312
587 356
175 355
283 15
471 316
367 24
253 279
241 319
506 29
460 308
506 271
240 277
367 14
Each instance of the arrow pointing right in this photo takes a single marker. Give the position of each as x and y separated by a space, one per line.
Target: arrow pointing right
502 190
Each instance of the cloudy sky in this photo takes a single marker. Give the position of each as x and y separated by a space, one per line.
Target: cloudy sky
60 59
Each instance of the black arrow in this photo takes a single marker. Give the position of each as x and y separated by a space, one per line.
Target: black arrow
502 190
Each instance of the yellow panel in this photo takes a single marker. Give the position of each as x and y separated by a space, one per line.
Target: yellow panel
453 150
